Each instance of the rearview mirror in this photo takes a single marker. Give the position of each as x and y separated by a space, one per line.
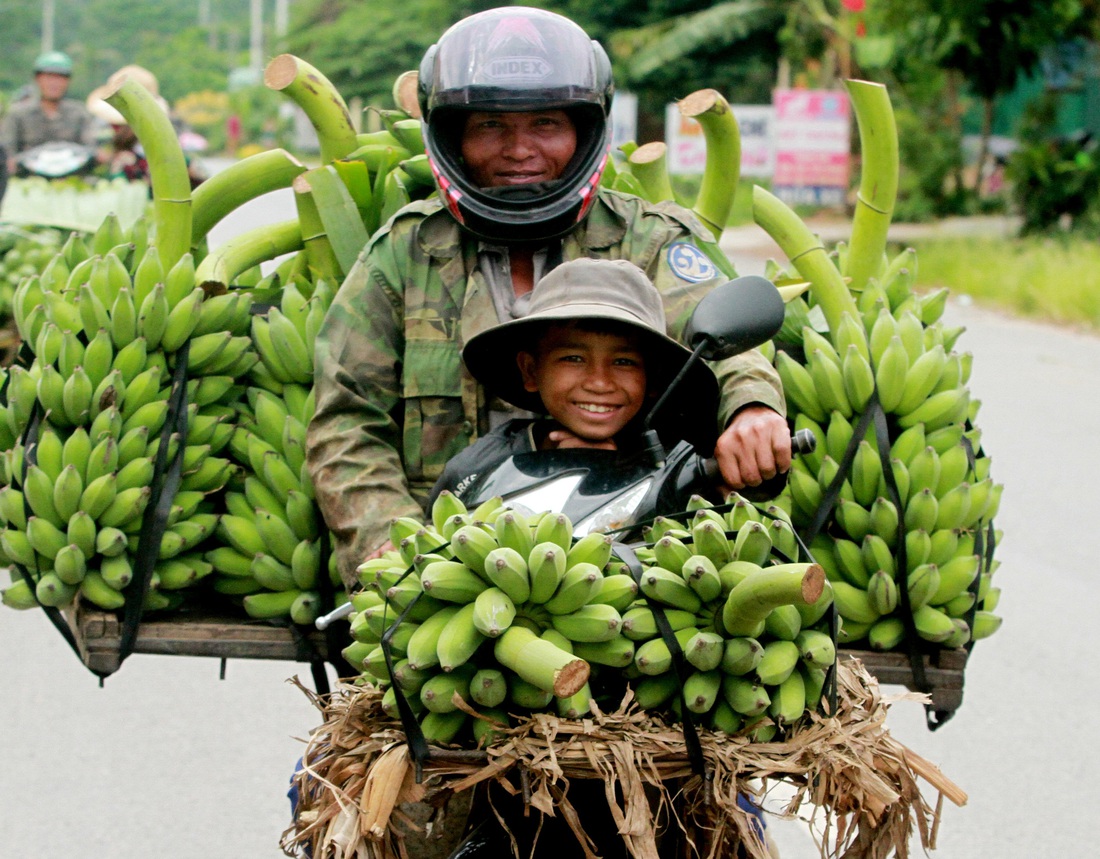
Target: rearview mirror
734 317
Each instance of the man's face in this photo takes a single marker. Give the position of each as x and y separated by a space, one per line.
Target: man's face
517 148
52 87
592 383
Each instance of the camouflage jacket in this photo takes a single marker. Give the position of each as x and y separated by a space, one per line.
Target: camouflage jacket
394 401
27 126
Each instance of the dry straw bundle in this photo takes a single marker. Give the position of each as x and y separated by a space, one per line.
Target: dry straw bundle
860 782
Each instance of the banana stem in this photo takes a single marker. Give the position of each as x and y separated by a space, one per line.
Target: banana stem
754 597
878 186
237 184
723 165
540 662
339 214
317 246
316 95
806 253
171 184
248 249
649 164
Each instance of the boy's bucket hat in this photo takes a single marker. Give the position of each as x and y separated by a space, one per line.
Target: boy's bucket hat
613 290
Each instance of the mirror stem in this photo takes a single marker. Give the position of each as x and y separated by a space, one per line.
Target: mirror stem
654 448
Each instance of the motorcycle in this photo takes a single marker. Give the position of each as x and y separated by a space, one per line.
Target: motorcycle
598 491
56 159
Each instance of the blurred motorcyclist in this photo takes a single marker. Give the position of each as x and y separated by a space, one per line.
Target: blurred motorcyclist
49 117
120 153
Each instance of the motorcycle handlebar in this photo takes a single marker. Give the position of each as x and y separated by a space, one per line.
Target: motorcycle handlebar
802 441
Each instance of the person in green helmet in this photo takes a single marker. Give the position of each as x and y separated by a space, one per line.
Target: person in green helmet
49 117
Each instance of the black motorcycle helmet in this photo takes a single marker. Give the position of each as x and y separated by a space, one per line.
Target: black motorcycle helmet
516 58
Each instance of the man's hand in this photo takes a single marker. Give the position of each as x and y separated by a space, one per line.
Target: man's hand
754 447
562 438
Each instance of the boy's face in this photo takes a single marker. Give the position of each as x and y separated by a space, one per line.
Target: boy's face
592 383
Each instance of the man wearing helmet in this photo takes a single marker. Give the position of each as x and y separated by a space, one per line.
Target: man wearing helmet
515 102
51 116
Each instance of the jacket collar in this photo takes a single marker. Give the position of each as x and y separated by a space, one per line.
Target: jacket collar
440 235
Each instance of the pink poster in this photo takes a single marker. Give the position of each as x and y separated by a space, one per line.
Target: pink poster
812 137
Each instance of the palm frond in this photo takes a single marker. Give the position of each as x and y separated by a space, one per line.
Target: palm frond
720 25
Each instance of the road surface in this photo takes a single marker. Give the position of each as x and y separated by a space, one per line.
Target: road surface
167 761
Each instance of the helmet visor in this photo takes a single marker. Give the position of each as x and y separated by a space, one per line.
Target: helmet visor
507 62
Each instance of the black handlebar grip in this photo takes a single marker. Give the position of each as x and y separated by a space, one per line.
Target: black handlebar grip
803 441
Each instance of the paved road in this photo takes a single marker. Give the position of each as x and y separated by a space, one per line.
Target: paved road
168 761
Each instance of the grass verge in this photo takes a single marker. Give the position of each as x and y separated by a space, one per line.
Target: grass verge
1054 279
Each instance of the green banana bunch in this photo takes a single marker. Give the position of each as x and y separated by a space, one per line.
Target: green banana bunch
926 492
506 608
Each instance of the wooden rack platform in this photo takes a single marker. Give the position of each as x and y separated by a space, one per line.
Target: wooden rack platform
944 672
222 635
99 633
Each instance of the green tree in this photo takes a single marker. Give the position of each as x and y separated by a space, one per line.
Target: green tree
987 43
363 47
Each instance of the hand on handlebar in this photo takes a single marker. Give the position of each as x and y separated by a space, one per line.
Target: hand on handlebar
755 447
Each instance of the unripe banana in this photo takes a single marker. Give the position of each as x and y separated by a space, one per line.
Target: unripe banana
753 544
779 659
829 383
671 553
921 379
891 373
451 581
514 532
701 690
788 699
704 650
618 590
955 578
746 696
578 586
590 623
859 378
669 588
493 613
639 624
594 548
854 518
438 692
472 545
554 528
921 511
546 564
654 692
420 650
488 687
507 570
932 624
617 652
459 639
799 388
882 591
853 603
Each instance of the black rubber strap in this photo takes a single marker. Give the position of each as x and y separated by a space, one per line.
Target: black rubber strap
691 734
154 522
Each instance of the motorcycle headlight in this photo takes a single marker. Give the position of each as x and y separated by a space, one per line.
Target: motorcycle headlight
618 513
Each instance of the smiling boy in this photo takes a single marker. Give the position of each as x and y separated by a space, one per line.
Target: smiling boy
587 360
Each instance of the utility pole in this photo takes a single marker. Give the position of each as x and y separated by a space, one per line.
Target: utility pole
282 17
47 25
256 40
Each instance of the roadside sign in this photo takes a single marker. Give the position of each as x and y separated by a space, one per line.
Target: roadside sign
812 133
687 150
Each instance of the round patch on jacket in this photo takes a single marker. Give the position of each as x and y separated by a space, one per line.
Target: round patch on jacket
689 263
